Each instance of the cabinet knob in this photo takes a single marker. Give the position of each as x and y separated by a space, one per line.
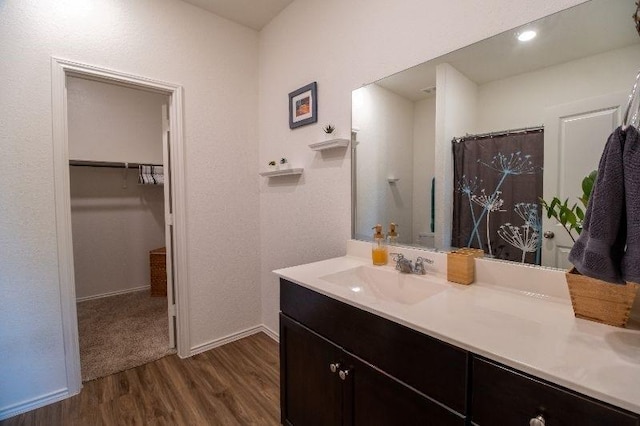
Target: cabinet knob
334 367
537 421
343 374
548 235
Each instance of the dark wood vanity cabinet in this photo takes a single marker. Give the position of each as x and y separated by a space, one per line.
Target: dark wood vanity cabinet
503 396
321 384
311 393
330 375
341 365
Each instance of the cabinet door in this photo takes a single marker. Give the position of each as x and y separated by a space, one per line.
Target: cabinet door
311 394
432 367
502 396
374 398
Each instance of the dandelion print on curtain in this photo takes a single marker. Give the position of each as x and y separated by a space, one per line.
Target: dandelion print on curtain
496 195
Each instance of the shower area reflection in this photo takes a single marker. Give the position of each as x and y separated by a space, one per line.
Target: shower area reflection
497 192
395 163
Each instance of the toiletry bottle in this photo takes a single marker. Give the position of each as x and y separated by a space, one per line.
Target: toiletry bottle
379 252
392 236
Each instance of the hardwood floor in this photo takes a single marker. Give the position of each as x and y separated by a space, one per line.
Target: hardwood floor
235 384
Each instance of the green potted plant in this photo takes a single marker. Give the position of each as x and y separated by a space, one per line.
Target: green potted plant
328 129
592 299
571 217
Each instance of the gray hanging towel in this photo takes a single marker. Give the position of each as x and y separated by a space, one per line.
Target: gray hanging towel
631 162
599 250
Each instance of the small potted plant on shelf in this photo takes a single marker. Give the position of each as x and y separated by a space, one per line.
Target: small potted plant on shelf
592 299
272 165
328 129
284 163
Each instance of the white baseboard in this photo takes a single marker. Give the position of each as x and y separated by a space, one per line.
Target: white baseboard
56 396
113 293
32 404
232 338
266 330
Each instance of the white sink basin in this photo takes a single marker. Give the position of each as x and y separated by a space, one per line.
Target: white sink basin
385 284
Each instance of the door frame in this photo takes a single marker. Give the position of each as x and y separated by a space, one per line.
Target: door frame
60 69
554 118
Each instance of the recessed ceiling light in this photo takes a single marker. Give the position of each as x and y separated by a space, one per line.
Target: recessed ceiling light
527 35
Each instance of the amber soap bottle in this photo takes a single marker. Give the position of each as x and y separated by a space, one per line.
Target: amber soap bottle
392 236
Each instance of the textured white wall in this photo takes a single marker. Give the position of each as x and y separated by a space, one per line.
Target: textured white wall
455 114
342 45
369 195
520 101
113 229
424 151
216 61
107 122
385 149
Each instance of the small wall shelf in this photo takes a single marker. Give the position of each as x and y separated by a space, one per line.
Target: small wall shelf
282 172
329 144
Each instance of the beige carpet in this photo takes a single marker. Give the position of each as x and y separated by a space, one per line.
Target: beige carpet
122 332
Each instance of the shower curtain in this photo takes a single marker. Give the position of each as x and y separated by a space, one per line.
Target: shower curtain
497 192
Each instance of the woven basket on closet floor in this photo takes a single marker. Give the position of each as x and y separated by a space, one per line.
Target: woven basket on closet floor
158 271
600 301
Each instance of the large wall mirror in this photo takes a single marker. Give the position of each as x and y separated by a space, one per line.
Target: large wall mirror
458 151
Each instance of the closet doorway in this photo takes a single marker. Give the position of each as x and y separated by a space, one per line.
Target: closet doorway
117 136
97 188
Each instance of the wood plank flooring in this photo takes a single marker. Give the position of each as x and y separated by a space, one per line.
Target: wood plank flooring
235 384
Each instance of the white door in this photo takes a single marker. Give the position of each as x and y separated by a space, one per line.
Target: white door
168 224
574 137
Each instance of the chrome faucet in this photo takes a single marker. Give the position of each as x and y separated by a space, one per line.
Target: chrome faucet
402 263
419 268
405 266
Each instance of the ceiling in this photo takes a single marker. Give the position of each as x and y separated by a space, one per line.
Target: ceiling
251 13
588 29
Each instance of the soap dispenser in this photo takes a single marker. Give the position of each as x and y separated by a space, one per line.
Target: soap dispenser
392 236
379 252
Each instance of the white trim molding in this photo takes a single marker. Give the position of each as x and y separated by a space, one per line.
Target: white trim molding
266 330
59 395
232 338
63 227
32 404
60 69
113 293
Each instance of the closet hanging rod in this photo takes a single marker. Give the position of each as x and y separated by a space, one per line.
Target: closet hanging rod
114 165
500 133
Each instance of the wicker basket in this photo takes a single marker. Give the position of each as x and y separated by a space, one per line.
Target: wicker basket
460 267
474 252
158 271
600 301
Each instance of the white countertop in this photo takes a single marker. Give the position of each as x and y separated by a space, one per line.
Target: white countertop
530 332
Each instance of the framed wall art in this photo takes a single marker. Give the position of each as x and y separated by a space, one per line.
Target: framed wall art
303 106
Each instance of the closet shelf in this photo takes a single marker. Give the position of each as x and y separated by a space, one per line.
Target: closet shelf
283 172
112 164
329 144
